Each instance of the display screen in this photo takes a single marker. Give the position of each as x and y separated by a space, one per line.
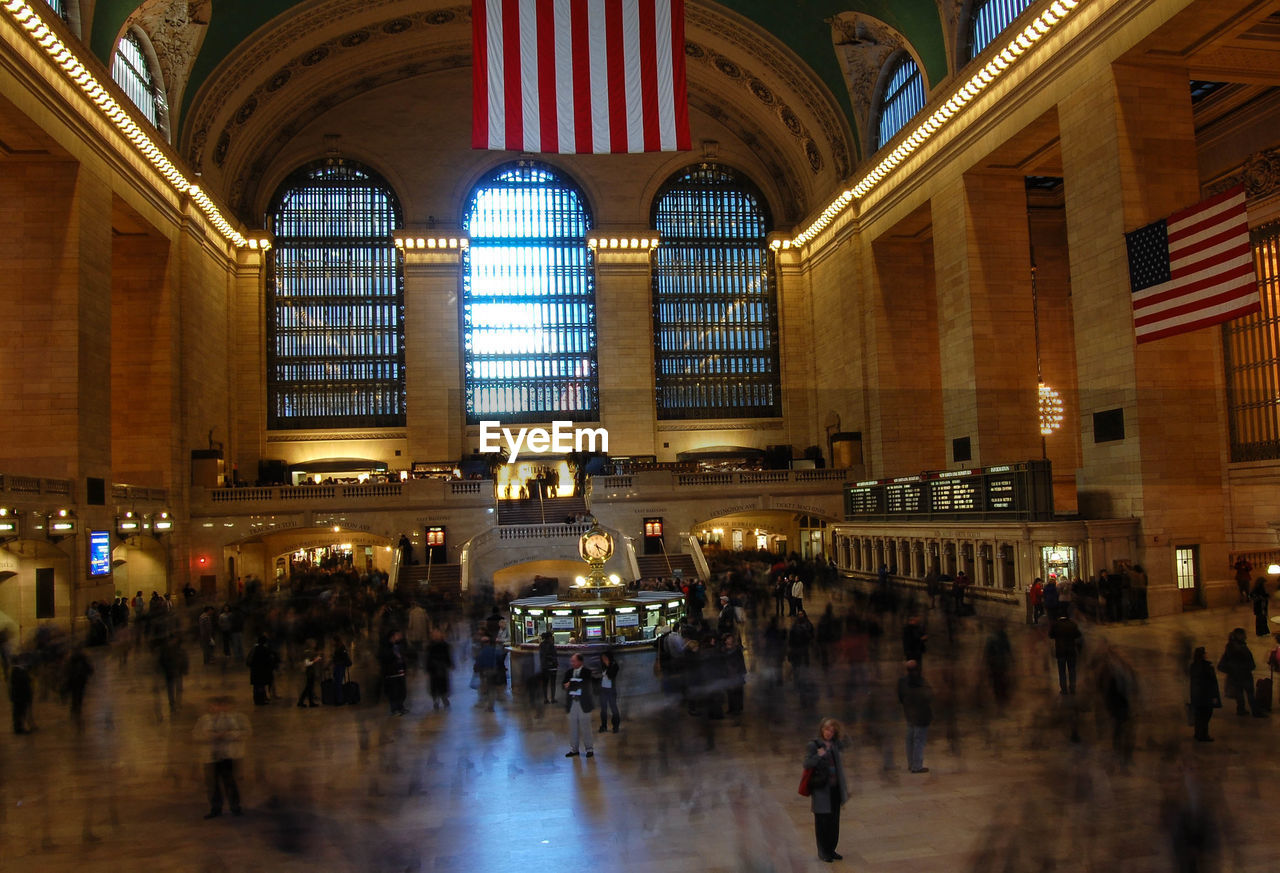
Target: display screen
99 553
595 631
1023 490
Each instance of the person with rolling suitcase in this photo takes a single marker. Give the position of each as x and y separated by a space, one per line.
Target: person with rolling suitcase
1262 696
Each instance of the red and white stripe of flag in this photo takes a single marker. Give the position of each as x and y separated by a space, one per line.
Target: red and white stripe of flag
1212 279
579 76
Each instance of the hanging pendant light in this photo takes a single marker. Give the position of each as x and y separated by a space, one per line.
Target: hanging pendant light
1050 408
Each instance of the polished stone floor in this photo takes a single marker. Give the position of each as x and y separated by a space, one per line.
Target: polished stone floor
355 789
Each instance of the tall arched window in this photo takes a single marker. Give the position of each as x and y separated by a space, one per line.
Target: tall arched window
989 18
529 301
335 301
903 97
133 71
714 305
1251 354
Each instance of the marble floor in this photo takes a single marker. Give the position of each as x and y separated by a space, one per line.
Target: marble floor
355 789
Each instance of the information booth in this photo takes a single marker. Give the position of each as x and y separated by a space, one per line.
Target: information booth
598 622
595 614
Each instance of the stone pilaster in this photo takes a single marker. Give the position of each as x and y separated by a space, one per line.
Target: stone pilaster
1129 158
624 328
435 412
905 398
986 341
249 365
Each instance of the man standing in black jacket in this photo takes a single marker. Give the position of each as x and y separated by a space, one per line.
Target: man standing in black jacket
578 703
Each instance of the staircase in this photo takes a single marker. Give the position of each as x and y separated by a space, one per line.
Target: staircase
445 586
652 566
549 510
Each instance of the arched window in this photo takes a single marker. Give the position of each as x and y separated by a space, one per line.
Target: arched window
136 74
714 306
989 18
335 301
528 300
903 98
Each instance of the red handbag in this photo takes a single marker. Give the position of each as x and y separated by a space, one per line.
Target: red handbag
804 781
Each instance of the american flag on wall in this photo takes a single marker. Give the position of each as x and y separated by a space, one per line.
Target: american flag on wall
1193 269
579 76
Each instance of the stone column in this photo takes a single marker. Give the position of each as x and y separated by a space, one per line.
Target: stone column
798 380
1129 158
982 266
905 408
249 364
435 408
624 330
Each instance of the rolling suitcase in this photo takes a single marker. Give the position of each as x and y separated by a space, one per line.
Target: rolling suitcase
1262 695
351 693
327 696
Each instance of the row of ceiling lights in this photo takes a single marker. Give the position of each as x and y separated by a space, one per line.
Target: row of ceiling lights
1022 42
30 21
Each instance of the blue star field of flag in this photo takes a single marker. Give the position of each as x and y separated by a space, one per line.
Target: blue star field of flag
1148 255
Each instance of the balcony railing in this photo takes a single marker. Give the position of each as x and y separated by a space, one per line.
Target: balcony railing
438 491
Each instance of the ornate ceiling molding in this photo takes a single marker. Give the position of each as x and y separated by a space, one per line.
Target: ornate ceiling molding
376 71
952 13
311 59
779 170
862 45
287 75
176 29
782 66
1260 175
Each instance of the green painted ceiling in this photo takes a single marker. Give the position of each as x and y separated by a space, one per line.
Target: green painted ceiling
800 24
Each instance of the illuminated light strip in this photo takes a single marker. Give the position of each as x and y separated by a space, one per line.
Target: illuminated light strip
30 21
1039 27
438 242
622 242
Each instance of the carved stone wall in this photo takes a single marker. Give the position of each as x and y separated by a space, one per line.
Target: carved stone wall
176 29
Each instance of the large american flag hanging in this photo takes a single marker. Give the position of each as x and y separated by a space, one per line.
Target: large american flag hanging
1193 269
579 76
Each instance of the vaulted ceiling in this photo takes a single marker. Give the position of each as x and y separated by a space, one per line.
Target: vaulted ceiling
802 26
788 80
257 86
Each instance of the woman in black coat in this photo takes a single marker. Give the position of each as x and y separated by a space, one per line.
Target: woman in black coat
439 665
828 789
1260 600
1238 665
262 664
1205 697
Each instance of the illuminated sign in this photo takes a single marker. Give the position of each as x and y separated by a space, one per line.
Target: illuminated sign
99 553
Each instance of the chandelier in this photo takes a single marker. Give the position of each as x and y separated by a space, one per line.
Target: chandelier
1050 408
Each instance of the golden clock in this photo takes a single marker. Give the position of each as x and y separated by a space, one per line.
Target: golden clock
595 546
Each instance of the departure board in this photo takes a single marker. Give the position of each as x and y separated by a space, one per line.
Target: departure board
1022 491
1001 492
905 496
963 493
940 496
864 501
